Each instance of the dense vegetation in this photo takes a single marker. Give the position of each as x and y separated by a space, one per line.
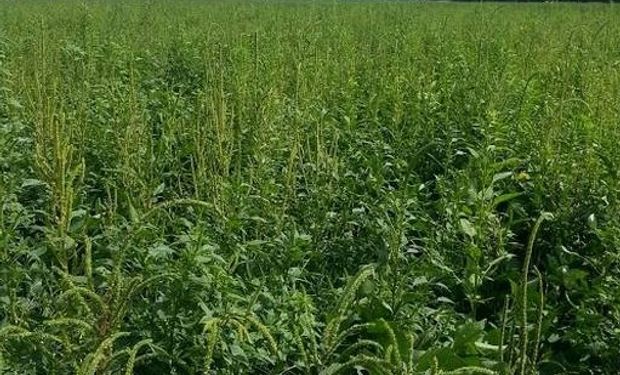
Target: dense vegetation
197 187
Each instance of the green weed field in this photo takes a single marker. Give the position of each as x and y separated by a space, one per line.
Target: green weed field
202 187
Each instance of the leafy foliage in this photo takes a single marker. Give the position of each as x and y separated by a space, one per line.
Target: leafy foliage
309 188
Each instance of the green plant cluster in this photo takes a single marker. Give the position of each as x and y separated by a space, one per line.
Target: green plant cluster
202 187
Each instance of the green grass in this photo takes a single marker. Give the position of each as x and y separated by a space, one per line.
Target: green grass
309 188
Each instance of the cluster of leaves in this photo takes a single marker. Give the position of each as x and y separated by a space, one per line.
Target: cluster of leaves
325 188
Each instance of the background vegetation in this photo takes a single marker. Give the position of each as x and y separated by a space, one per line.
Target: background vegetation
207 187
